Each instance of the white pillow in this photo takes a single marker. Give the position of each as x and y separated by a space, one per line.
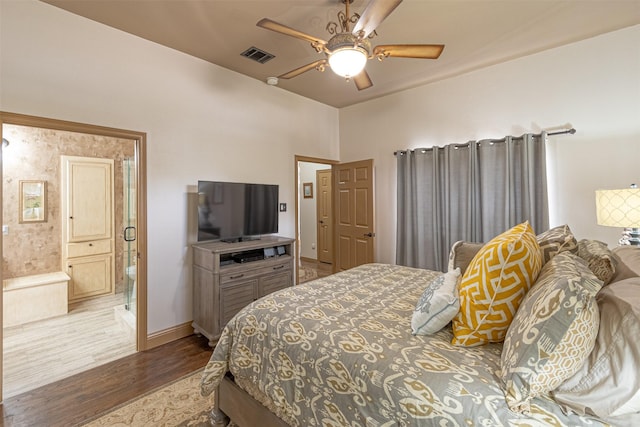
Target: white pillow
608 384
438 304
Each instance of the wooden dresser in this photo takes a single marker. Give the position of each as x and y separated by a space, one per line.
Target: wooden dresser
229 276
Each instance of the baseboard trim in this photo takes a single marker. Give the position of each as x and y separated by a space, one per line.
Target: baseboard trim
170 334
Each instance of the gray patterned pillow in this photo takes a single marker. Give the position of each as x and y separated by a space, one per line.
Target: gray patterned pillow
552 333
599 258
555 240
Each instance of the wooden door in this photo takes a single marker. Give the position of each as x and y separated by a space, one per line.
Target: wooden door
353 192
324 215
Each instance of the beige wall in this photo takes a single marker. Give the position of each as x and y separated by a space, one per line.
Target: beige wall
206 122
592 85
202 122
34 154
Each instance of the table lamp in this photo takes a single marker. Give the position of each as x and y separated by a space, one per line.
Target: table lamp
620 208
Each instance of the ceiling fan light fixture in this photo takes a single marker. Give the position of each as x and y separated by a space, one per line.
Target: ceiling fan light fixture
347 54
348 61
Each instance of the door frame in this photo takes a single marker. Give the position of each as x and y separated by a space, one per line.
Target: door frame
140 142
298 188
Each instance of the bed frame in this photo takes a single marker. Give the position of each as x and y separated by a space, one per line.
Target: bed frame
231 402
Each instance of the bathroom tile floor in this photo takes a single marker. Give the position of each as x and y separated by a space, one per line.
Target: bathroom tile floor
45 351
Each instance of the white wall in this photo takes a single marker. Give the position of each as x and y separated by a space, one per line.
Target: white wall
206 122
202 122
592 85
308 210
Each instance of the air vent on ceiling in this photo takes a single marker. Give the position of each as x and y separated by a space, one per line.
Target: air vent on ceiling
257 55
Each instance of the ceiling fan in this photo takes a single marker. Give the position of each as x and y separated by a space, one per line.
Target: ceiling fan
348 50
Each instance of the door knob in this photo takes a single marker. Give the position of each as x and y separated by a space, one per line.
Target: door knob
369 234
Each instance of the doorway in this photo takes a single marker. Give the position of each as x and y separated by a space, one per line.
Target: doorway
313 205
128 150
352 213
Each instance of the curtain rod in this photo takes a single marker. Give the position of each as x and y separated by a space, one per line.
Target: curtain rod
560 132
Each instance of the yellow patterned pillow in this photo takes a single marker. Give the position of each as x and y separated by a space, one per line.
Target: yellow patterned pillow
494 284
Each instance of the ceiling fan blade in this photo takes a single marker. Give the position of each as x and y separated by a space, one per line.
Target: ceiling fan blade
283 29
362 80
293 73
374 14
423 51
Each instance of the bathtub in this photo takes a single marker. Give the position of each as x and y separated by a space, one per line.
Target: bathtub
36 297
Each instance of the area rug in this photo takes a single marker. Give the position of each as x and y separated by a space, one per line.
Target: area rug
305 274
176 404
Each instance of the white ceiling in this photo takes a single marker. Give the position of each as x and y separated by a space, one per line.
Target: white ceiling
476 34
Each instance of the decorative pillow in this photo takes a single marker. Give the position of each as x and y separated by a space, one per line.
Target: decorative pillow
627 260
599 258
494 284
462 253
608 384
553 332
437 305
556 240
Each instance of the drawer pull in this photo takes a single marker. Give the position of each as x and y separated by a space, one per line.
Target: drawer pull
90 244
236 277
278 267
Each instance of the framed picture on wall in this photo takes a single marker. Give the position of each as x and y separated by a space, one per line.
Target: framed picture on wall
33 201
307 190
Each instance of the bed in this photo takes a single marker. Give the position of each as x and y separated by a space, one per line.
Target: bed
339 351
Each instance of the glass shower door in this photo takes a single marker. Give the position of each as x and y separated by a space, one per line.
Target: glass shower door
130 246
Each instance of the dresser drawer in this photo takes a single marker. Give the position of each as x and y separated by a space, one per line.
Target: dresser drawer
234 297
93 247
260 268
274 282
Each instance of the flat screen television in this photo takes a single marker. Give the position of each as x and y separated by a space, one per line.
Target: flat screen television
233 211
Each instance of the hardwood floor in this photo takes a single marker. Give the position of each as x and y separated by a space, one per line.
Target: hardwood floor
41 352
81 397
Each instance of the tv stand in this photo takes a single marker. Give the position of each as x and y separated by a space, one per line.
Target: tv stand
227 276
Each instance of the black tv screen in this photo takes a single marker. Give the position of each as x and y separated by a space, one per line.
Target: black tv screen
234 211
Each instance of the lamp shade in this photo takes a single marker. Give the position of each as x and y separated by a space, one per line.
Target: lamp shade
618 208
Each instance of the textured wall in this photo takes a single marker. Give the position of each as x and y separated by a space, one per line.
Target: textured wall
34 154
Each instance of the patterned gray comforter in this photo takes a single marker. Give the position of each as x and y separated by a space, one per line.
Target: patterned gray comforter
338 351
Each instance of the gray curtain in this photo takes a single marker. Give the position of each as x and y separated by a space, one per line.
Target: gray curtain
471 192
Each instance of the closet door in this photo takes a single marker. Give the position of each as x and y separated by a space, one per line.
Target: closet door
90 206
88 224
